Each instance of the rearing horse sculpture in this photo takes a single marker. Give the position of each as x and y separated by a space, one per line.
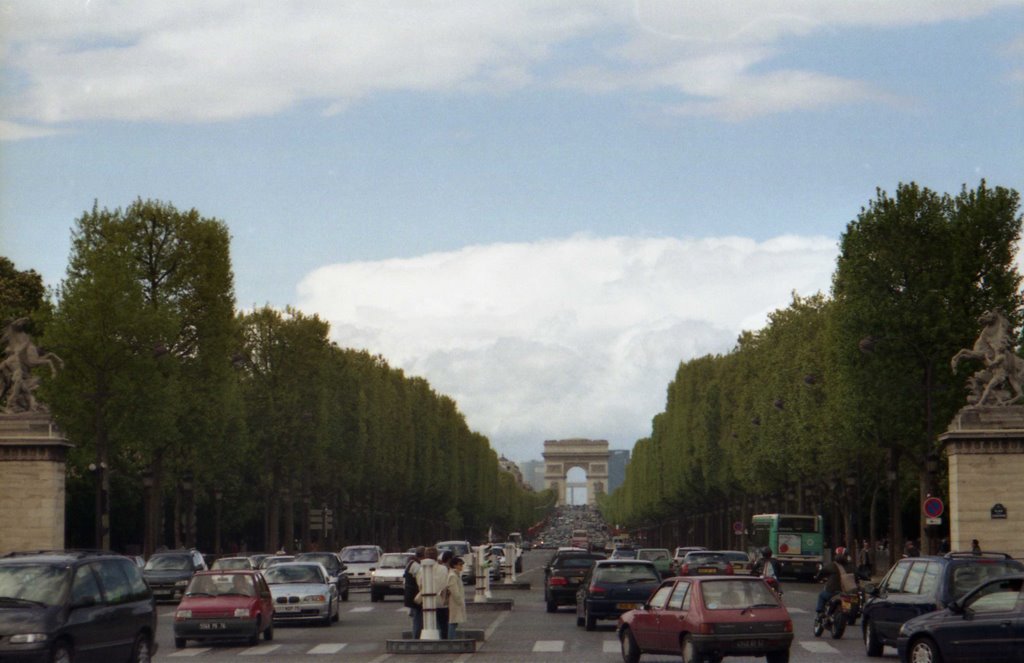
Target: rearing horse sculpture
999 382
21 355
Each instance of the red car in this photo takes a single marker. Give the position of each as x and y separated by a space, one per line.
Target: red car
220 605
708 618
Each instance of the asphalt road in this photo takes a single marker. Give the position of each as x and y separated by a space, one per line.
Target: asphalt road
527 633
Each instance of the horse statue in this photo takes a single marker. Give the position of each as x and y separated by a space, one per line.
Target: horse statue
1000 381
20 356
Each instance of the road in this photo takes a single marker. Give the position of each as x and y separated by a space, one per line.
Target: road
528 633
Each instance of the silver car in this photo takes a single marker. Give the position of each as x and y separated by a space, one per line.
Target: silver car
389 576
302 591
360 561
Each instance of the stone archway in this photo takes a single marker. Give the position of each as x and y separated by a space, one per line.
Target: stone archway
591 456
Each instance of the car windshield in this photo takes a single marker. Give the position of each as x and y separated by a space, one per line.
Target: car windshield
968 576
232 563
274 561
736 556
359 555
704 558
394 560
458 549
169 563
35 584
654 555
298 573
624 553
628 573
328 561
737 594
575 562
235 584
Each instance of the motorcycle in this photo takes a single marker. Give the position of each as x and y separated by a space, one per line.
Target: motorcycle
841 610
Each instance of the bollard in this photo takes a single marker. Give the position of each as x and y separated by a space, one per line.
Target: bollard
480 595
429 596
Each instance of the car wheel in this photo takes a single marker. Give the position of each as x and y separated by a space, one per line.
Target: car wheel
838 625
179 643
777 657
552 606
344 595
872 645
923 651
689 651
337 611
630 650
142 652
589 622
374 596
268 633
61 653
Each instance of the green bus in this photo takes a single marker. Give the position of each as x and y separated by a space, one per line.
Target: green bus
795 541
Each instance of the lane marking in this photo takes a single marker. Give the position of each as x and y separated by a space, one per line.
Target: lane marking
495 624
549 646
191 652
361 610
818 647
327 648
259 650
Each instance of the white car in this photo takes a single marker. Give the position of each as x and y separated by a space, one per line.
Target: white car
389 576
464 550
302 591
360 562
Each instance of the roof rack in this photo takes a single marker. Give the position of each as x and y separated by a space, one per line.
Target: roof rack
965 554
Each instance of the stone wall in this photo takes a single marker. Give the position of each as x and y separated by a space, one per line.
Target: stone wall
32 487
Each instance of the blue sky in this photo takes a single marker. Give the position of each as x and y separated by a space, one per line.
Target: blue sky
541 207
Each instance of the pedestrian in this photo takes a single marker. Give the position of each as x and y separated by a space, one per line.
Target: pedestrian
944 546
911 550
411 589
975 547
456 597
866 560
444 559
439 573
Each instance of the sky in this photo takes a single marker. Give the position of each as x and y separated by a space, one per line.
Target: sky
542 207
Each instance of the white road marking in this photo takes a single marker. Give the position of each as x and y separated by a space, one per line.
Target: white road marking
191 652
611 646
818 647
259 650
549 646
797 611
495 624
361 610
327 648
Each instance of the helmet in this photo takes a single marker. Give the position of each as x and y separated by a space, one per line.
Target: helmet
840 552
766 552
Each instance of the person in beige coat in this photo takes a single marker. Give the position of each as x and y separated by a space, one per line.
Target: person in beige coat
456 597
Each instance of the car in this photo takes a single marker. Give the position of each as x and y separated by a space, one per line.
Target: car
623 552
741 564
918 585
975 627
464 550
359 562
660 556
232 564
331 561
257 558
563 575
612 587
273 560
705 562
302 591
225 604
169 572
389 576
56 604
706 618
680 553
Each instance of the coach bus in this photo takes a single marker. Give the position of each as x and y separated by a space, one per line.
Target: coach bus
795 541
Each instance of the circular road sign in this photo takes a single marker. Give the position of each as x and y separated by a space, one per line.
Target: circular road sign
737 528
933 507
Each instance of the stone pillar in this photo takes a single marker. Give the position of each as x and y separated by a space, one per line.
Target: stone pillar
985 450
33 456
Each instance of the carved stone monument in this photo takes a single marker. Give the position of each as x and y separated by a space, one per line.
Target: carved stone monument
985 446
32 451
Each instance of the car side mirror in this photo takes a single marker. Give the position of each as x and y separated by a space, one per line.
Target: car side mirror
956 608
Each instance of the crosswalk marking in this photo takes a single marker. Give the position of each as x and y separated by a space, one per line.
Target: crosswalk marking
361 610
796 611
191 652
549 646
259 650
818 647
611 646
327 648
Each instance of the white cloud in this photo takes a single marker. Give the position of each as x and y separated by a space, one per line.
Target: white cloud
567 337
223 59
12 131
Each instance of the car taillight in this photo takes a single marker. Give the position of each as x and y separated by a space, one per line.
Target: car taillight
558 581
707 629
788 626
728 570
597 589
685 570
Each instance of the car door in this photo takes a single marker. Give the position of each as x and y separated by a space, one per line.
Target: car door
888 609
674 617
266 599
86 624
986 628
118 597
647 620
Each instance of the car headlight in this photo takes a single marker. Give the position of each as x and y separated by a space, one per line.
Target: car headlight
315 598
183 614
27 638
241 612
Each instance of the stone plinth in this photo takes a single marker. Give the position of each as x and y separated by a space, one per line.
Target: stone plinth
985 450
32 470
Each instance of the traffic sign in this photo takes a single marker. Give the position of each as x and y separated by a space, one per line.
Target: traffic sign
933 507
737 528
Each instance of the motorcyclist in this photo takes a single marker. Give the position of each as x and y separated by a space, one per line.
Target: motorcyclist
765 565
832 573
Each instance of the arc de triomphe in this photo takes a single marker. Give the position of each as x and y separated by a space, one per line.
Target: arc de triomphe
591 456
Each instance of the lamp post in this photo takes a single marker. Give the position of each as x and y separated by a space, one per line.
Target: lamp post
102 522
931 464
851 534
188 518
218 498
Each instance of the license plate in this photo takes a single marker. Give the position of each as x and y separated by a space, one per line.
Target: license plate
627 606
212 626
708 571
288 608
750 644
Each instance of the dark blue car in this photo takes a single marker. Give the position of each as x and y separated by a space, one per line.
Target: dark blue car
612 587
985 625
919 585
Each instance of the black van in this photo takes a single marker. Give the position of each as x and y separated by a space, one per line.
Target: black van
75 606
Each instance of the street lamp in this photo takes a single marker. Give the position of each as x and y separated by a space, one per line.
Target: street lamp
188 516
218 498
102 521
